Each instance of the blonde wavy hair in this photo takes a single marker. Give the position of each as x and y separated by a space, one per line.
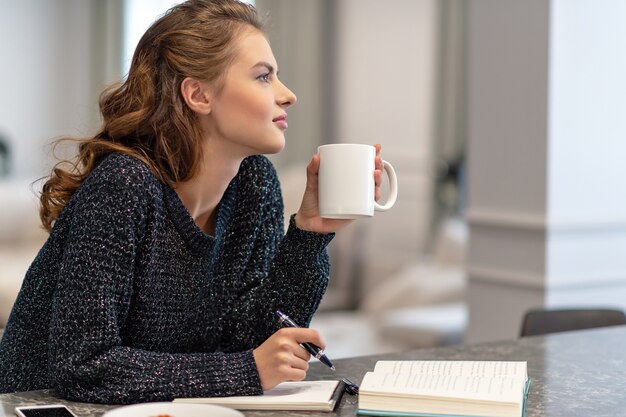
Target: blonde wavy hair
146 116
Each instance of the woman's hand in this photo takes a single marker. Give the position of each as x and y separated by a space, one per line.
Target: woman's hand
281 358
308 217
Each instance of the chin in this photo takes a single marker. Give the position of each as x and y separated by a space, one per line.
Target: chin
276 146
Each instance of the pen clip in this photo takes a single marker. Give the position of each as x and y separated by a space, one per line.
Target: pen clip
319 354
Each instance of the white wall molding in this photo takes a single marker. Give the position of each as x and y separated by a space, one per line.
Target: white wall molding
519 220
504 276
522 279
519 250
506 219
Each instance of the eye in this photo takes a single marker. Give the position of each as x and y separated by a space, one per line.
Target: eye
264 77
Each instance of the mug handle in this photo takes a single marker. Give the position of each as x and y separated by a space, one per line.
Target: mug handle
393 188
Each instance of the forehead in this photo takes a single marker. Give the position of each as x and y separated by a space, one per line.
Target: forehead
252 48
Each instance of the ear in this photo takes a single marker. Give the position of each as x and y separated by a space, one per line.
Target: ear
197 95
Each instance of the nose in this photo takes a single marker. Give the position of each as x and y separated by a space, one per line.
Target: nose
285 97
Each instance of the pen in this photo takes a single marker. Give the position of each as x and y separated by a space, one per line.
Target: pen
314 350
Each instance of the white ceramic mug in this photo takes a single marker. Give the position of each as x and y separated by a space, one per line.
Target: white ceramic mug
346 181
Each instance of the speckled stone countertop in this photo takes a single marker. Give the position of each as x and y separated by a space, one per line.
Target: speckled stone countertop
573 374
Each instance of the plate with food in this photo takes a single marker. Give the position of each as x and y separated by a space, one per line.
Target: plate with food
168 409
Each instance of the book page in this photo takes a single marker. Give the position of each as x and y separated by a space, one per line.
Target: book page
506 390
304 395
479 369
299 392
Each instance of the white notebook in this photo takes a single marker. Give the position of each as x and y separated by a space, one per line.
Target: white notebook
301 395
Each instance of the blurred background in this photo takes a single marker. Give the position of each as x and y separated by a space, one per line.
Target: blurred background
504 119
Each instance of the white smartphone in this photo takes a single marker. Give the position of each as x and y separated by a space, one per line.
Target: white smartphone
51 410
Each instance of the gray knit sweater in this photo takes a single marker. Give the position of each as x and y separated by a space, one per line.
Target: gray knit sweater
130 301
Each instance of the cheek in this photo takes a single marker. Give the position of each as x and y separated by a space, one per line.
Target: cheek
254 105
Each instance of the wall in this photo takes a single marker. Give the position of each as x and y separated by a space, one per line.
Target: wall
52 70
302 34
546 126
386 80
587 144
364 72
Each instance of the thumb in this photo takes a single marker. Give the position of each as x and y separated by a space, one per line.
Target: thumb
312 170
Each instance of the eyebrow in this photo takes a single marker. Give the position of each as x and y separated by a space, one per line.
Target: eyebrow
269 67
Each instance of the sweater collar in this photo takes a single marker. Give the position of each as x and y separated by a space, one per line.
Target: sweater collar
189 230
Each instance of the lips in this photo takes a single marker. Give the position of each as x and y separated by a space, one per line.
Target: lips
281 121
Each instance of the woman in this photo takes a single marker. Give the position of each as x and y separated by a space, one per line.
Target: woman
166 259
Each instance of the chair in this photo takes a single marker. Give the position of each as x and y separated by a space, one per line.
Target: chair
545 321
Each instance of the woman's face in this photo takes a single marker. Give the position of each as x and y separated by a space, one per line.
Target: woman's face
249 112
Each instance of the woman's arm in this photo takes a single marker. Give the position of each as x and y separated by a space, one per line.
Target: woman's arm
283 271
95 290
288 272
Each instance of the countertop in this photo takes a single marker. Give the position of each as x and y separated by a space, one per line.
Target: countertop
580 373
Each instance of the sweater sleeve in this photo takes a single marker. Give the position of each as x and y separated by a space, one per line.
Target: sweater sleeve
87 358
287 272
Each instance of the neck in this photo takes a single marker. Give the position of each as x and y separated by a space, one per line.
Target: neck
202 193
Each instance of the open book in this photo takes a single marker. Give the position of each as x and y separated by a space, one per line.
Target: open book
450 388
301 395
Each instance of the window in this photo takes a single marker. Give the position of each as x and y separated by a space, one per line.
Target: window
138 16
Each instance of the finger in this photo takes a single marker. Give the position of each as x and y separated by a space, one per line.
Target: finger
298 363
378 177
311 172
302 354
295 374
378 161
299 335
305 335
314 165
